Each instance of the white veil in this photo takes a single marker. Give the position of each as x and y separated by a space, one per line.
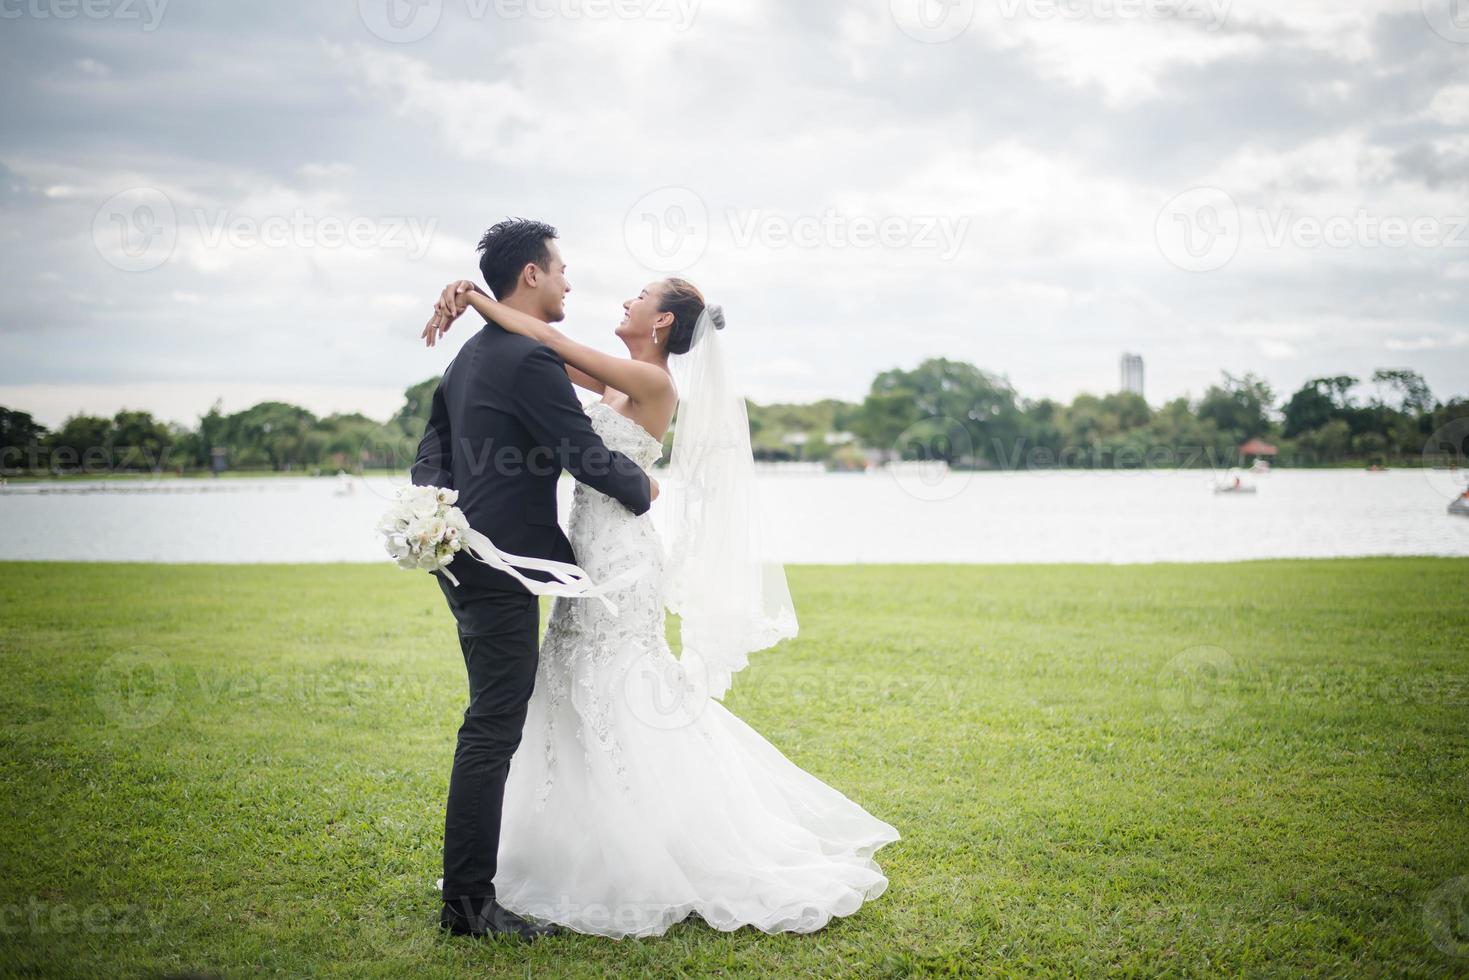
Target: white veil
731 600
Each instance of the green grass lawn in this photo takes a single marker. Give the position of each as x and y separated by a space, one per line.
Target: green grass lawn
1257 769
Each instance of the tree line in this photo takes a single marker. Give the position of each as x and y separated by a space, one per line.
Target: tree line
957 412
942 409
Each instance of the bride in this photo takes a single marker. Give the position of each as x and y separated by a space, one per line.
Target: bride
636 799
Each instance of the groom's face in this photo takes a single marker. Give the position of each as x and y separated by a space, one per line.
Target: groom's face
551 286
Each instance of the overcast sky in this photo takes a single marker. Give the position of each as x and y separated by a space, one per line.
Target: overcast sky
260 200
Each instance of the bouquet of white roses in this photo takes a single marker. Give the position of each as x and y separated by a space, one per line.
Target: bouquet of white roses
423 529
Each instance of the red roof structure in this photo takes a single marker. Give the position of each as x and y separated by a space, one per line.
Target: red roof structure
1258 447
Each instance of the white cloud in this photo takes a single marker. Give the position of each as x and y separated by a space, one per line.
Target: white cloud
786 367
327 171
1278 350
1425 342
1450 105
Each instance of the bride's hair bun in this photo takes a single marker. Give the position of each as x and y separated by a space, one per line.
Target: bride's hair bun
683 299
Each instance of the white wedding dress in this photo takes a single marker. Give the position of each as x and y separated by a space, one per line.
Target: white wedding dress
635 800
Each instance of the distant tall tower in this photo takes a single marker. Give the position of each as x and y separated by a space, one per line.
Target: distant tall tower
1132 373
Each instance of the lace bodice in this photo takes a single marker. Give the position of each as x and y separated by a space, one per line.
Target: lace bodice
624 435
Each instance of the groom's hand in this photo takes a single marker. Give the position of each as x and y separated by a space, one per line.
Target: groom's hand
450 305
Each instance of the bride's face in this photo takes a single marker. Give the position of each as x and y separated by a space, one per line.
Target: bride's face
641 315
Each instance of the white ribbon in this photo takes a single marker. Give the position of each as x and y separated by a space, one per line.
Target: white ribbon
571 581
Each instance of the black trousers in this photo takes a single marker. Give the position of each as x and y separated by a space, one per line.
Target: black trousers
499 637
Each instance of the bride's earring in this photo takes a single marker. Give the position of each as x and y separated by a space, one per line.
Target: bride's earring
655 335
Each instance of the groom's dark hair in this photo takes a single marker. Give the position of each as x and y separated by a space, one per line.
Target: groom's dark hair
508 247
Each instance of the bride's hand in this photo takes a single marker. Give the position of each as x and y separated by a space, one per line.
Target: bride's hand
450 305
495 312
460 295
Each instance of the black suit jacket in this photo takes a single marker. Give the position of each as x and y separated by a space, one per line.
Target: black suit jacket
504 423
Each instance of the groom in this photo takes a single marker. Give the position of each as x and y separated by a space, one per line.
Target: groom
503 425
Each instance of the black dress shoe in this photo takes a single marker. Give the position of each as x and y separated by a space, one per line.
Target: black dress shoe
487 917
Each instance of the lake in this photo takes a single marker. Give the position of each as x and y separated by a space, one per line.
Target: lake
887 517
